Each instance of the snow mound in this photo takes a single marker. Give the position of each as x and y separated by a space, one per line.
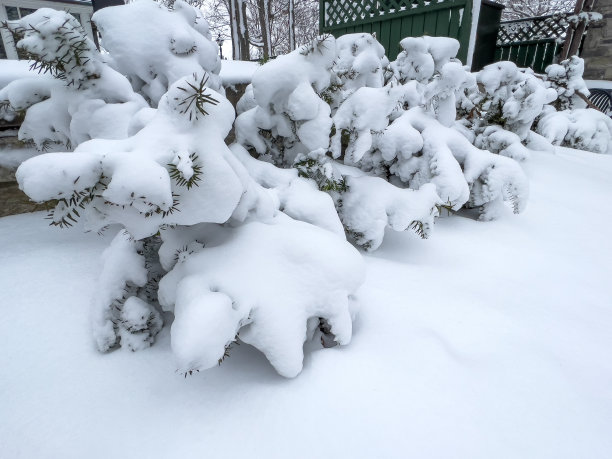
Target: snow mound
584 129
154 47
84 99
218 295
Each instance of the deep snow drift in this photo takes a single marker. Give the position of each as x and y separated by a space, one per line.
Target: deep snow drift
489 340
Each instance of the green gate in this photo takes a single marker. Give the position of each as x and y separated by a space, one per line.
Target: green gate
532 42
393 20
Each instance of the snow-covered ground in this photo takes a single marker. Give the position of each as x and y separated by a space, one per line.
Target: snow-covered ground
489 340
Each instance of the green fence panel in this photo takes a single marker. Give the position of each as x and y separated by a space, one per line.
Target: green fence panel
393 20
529 59
443 22
532 42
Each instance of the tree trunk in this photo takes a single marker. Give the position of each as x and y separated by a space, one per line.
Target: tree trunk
573 36
291 25
264 24
240 32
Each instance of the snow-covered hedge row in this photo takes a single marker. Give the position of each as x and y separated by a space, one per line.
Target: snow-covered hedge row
249 242
422 119
213 241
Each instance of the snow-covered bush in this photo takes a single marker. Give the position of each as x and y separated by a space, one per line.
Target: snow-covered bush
84 99
87 95
384 131
360 62
199 222
511 109
514 97
585 129
249 242
154 47
158 184
218 293
289 117
573 125
566 79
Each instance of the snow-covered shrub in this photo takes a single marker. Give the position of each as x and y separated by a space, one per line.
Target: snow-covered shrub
566 79
511 109
439 76
422 57
584 129
87 94
383 132
290 117
498 140
573 125
85 98
125 309
360 62
512 98
192 211
249 242
218 293
154 47
207 221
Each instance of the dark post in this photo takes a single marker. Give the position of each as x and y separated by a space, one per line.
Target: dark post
99 4
486 34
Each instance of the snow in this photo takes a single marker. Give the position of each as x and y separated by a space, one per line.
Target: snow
487 340
603 84
72 106
11 158
589 129
373 204
73 172
140 180
215 295
155 47
11 70
237 72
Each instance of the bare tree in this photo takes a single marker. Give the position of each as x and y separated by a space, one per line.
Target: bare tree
520 9
265 24
238 24
291 23
170 3
273 26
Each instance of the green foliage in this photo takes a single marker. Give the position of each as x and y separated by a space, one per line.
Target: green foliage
315 46
65 211
448 206
327 95
420 229
359 239
228 348
495 115
265 60
150 252
180 179
195 99
157 210
71 52
315 170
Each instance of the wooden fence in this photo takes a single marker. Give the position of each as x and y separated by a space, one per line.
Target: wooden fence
393 20
532 42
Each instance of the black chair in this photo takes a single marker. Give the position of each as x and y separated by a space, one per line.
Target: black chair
602 99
